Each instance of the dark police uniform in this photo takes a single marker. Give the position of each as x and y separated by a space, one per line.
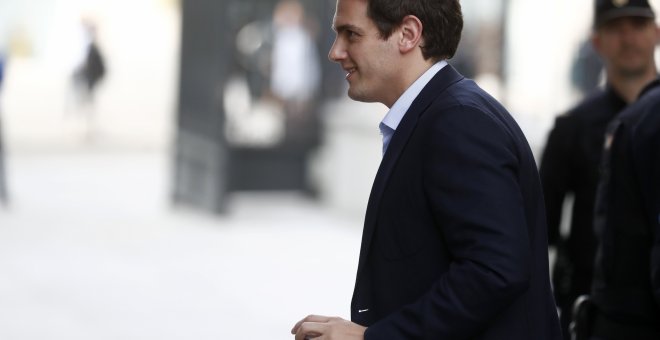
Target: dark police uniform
570 165
626 287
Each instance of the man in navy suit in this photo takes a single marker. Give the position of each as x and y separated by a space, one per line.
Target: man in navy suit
454 244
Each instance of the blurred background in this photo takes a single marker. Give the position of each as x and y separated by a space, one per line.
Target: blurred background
193 169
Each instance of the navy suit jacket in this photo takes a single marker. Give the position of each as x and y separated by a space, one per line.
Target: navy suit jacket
454 244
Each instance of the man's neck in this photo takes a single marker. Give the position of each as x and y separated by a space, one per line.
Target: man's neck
629 88
413 72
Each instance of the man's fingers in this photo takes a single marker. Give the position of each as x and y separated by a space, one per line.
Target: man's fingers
310 318
310 330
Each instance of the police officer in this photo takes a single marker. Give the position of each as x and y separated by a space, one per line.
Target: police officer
626 288
624 35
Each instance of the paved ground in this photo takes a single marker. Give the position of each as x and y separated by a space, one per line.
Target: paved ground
90 249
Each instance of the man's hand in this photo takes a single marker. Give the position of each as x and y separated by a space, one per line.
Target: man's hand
327 328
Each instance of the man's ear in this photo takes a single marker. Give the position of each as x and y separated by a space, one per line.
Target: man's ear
411 33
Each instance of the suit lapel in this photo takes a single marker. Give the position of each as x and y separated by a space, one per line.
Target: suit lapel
443 79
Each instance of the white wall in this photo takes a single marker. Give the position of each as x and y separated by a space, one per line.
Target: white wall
542 40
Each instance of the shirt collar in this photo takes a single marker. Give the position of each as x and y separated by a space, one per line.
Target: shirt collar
398 110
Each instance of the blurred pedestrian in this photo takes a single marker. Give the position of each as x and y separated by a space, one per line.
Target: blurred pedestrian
295 75
295 70
454 244
624 35
88 75
626 288
92 70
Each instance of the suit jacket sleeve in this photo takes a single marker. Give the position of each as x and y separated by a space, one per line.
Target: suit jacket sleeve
471 179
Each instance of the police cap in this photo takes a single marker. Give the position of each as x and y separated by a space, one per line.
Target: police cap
606 10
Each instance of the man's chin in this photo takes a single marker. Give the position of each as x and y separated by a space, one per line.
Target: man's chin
355 95
359 96
633 71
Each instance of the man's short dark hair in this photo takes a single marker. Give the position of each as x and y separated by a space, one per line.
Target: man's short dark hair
442 21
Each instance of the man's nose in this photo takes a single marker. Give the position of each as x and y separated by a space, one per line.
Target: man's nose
336 53
630 32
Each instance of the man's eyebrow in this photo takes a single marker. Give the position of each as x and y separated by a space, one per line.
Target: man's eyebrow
346 27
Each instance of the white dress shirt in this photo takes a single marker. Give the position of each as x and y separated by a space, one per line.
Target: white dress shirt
394 116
